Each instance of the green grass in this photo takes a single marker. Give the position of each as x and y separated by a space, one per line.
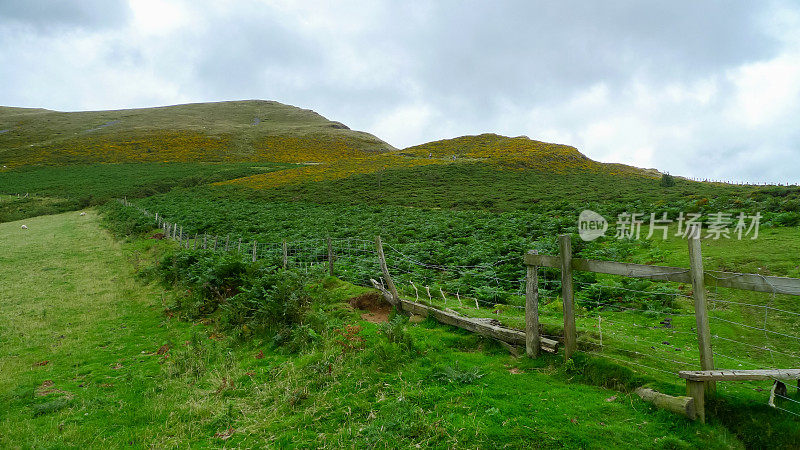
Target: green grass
481 186
102 182
64 188
71 299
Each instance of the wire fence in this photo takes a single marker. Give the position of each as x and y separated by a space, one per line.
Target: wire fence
648 325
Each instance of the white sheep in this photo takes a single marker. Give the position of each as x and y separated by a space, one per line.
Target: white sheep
83 213
24 227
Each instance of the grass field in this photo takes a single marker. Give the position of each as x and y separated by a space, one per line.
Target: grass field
55 189
82 368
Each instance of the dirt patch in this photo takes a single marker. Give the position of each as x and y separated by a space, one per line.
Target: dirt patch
48 388
158 236
377 309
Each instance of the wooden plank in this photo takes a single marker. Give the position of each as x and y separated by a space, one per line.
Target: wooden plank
567 296
696 390
532 311
479 326
733 280
753 282
663 273
542 260
740 375
701 310
680 405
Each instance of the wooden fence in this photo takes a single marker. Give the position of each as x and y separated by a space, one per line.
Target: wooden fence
695 275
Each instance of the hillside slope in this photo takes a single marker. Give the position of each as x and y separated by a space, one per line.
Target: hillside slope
209 132
494 151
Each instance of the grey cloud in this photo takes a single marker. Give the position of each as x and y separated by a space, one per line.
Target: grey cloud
51 15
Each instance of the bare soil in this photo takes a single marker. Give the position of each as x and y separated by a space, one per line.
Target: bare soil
376 309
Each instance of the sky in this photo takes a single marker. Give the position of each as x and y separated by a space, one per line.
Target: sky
707 89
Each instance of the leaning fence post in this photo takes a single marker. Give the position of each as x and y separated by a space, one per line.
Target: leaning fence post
567 295
386 276
700 307
532 310
255 251
330 257
285 254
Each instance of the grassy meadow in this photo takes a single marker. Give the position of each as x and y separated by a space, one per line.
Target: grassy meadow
91 360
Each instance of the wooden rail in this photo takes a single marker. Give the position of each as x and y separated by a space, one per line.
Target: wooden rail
744 281
484 327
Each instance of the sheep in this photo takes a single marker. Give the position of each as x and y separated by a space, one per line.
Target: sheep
24 227
83 213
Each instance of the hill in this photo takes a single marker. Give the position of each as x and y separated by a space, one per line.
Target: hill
234 131
491 150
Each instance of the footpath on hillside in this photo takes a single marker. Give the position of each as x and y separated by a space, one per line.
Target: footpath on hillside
78 337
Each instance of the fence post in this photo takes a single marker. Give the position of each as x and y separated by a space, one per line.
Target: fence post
255 251
700 308
330 257
239 249
205 241
215 243
227 242
567 295
285 254
532 310
386 276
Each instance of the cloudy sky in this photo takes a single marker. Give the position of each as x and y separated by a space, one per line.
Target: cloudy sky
695 88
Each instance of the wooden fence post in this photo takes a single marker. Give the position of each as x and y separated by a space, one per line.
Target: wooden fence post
567 295
215 242
389 283
205 241
227 242
330 257
701 309
239 249
255 251
532 310
285 254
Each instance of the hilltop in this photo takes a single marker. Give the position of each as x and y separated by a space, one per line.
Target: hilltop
233 131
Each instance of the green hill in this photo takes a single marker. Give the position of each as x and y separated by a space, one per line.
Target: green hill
207 132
